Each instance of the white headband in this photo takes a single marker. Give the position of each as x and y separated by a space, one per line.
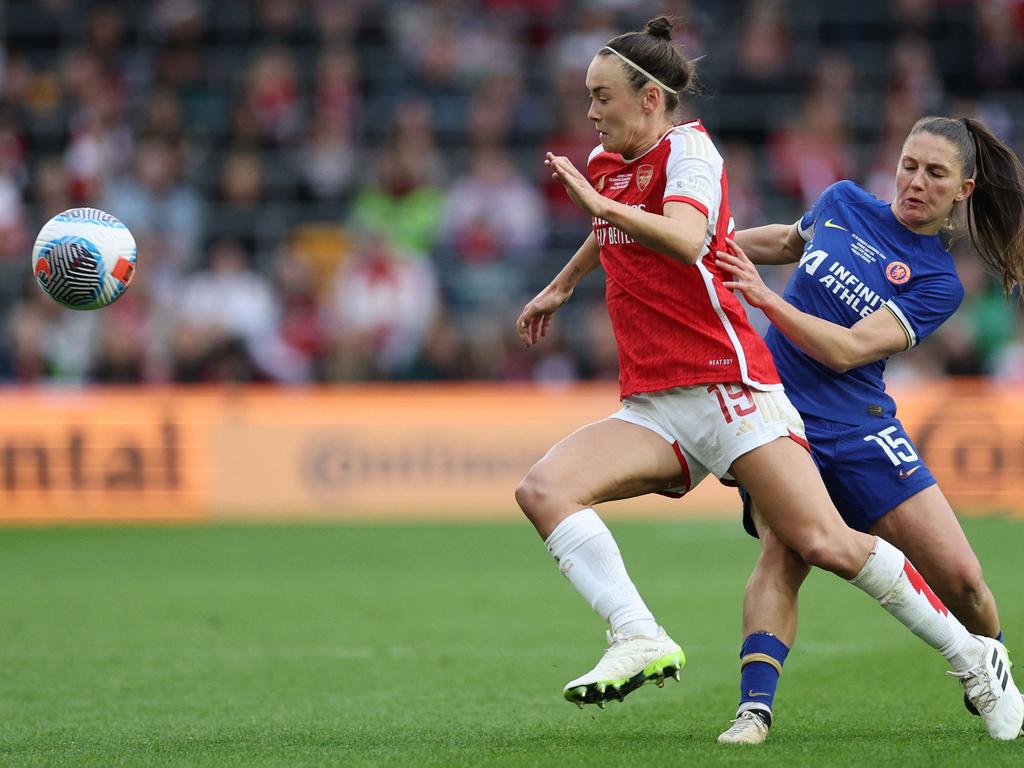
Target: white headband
640 69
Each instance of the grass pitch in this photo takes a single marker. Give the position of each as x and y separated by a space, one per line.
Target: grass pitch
438 645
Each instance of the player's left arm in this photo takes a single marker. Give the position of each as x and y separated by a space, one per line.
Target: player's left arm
878 335
679 233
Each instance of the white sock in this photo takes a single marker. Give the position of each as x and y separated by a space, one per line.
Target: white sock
589 558
894 582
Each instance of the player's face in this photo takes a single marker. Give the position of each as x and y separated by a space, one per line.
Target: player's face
928 182
616 109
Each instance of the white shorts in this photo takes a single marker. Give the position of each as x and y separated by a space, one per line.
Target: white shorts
712 425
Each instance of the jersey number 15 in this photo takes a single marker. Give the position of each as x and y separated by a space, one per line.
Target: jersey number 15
898 449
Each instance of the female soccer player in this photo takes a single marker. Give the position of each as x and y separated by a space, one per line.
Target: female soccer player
700 392
874 279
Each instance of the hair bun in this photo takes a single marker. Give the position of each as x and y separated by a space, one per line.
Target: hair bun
659 27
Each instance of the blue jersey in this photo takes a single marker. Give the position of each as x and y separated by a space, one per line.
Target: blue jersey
859 259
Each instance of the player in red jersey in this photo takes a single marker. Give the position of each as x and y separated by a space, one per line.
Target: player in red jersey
700 394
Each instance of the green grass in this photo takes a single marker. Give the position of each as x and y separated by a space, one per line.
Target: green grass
420 645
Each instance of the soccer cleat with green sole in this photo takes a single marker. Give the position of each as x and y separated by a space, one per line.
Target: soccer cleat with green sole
627 664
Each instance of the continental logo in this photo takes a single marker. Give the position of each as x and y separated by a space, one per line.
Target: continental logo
335 465
86 460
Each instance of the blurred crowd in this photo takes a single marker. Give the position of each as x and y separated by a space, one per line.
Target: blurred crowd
351 190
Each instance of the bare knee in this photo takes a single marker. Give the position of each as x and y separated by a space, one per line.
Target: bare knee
779 564
531 493
967 583
542 501
828 551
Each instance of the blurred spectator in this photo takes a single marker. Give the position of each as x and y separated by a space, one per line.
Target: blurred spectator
161 117
281 20
441 358
51 341
154 200
745 201
811 152
326 162
492 231
575 137
914 77
384 303
273 94
336 96
282 131
503 114
895 125
227 327
303 331
242 213
594 26
404 198
52 188
428 42
999 50
761 67
100 146
334 20
124 353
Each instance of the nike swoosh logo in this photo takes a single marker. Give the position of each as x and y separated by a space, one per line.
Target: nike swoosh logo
904 475
754 693
829 223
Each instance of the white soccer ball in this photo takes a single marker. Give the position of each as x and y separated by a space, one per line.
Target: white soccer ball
84 258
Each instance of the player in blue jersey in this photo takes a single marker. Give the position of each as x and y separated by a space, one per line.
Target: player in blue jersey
873 279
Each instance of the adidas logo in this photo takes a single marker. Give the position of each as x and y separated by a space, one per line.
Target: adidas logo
1002 674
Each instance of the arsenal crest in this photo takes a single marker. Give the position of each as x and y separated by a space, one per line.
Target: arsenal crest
600 183
644 174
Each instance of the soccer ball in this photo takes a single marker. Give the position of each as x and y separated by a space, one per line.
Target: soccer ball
84 258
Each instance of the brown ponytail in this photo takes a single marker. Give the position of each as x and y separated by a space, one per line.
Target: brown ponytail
995 211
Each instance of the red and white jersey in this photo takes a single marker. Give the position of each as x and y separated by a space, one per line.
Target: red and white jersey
675 324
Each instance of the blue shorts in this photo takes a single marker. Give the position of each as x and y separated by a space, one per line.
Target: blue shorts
868 469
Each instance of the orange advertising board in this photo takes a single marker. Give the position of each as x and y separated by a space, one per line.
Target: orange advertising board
971 435
393 452
89 456
413 452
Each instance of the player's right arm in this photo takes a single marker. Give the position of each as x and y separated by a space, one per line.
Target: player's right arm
877 336
535 318
772 243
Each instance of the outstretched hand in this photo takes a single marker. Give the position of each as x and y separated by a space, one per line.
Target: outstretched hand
745 276
576 185
535 319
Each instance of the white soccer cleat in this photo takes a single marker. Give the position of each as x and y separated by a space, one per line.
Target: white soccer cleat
628 663
990 688
749 727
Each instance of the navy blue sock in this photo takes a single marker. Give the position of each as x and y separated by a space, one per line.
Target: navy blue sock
761 660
